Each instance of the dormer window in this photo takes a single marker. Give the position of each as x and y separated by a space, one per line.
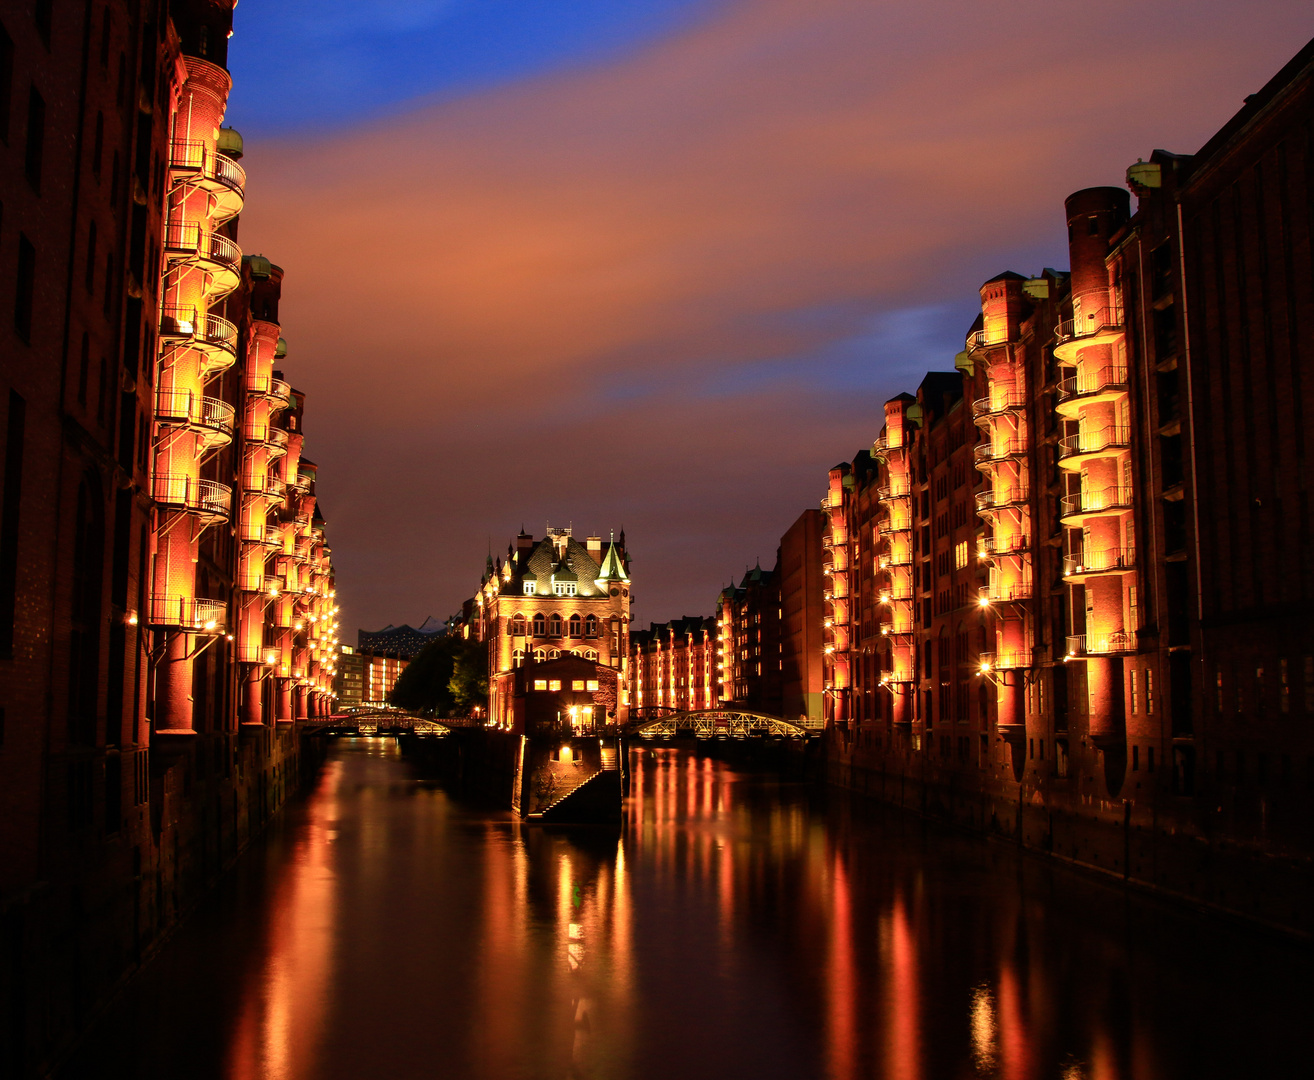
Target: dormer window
564 588
530 588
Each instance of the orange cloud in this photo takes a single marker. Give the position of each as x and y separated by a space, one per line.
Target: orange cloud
513 305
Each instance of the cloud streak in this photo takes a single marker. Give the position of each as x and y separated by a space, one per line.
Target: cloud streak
637 291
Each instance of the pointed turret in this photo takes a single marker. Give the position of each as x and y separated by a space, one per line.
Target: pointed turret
613 567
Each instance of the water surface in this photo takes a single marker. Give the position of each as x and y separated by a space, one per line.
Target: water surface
735 926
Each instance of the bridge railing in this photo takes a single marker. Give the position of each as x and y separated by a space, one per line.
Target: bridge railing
731 723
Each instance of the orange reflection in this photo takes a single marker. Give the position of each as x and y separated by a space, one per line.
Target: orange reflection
279 1027
842 982
903 1045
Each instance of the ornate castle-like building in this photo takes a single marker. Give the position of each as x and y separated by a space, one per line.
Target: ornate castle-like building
555 615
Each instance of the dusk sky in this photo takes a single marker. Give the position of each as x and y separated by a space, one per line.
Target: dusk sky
658 263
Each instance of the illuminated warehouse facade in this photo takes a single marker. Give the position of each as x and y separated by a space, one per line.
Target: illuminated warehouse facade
556 602
1066 585
166 587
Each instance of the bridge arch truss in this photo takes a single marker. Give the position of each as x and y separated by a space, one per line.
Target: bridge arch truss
713 723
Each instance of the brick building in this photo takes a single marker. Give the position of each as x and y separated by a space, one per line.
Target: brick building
1066 581
673 665
166 589
801 583
551 598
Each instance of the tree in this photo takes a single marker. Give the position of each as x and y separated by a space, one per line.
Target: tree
469 682
448 677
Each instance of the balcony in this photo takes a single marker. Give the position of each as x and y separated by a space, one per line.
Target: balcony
1087 388
264 485
1104 442
1009 660
273 439
212 335
268 584
1009 544
1117 560
896 593
209 418
998 450
1001 498
217 255
894 558
1007 592
256 531
195 165
275 390
997 404
895 489
1100 644
885 442
1109 500
983 339
194 614
207 499
1098 327
890 628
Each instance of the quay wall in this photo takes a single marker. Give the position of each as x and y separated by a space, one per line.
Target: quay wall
73 939
1147 842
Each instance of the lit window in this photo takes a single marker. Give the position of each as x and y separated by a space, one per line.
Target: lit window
540 684
564 588
592 684
530 588
518 657
554 684
577 684
960 554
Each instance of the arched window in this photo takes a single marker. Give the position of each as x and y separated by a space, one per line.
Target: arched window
538 625
591 626
540 655
574 626
517 624
591 654
554 625
518 657
554 653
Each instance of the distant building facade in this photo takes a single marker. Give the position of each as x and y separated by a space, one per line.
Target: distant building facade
673 666
552 598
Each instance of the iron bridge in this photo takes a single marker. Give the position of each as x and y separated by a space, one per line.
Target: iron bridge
719 723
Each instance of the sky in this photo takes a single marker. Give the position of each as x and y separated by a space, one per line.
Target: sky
657 264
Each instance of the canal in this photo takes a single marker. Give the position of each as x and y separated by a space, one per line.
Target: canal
735 926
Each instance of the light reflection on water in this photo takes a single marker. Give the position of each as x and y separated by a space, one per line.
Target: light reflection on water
734 926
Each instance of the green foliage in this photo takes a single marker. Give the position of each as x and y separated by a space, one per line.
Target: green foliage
469 682
448 677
